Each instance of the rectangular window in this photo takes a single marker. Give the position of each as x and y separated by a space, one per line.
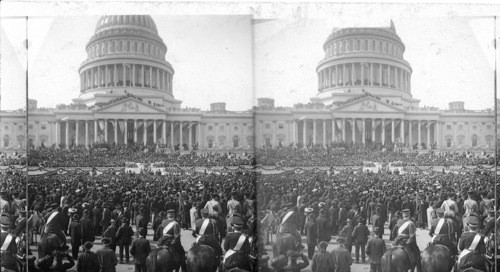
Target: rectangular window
488 127
210 128
44 127
268 125
221 128
460 127
20 128
30 126
448 127
280 126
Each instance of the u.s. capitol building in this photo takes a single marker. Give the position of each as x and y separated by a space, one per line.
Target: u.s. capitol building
364 96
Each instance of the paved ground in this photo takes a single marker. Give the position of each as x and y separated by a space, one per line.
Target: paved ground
187 240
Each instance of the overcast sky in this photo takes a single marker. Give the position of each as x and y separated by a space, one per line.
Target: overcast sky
452 59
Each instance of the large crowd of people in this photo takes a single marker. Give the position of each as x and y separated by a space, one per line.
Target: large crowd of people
312 205
334 155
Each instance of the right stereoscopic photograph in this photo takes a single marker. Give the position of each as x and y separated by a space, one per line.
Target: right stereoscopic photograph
389 164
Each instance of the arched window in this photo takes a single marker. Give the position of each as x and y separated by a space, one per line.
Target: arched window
236 141
250 141
460 139
222 141
235 128
474 140
489 140
210 141
448 139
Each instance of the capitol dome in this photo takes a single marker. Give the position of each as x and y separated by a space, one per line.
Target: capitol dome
359 60
125 56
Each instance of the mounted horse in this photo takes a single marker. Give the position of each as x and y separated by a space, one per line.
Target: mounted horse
201 258
163 259
433 259
397 259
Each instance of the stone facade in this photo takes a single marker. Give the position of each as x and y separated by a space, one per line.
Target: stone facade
364 96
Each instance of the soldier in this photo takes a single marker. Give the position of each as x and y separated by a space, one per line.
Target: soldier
290 222
170 233
473 248
441 232
237 241
156 223
207 229
54 223
124 239
406 235
8 243
489 223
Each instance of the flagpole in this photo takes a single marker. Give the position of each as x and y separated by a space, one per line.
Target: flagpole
26 138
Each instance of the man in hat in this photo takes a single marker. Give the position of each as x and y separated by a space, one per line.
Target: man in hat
106 256
87 227
346 232
88 261
323 226
140 221
375 249
140 250
290 221
110 232
323 260
473 248
341 257
360 237
471 208
8 245
406 235
54 223
75 232
206 228
441 232
311 232
106 217
124 239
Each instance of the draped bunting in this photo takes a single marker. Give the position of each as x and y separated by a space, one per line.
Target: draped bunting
149 123
397 122
219 169
377 124
121 125
359 124
339 123
139 125
101 124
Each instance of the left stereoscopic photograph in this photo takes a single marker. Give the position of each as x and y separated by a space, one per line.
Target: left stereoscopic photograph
137 134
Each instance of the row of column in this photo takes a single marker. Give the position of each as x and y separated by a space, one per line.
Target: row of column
117 75
364 74
341 127
125 134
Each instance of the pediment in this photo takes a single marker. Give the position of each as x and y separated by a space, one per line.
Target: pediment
130 105
367 104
